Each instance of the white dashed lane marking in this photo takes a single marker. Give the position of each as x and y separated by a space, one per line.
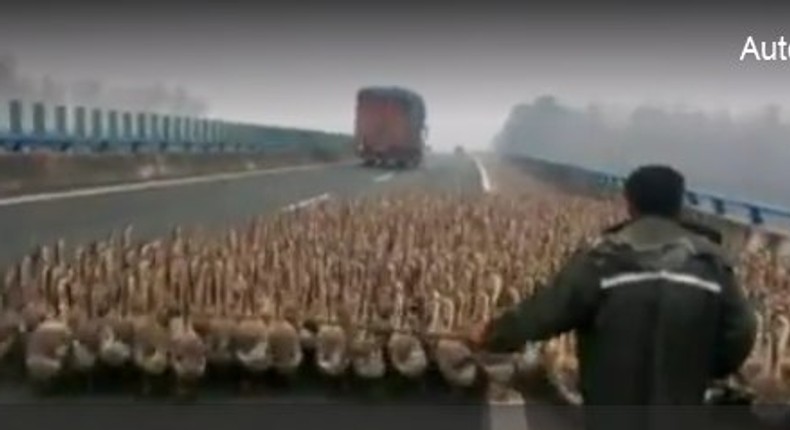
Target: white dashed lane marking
485 181
307 202
383 178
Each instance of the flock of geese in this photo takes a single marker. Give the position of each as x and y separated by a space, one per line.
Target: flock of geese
376 289
766 280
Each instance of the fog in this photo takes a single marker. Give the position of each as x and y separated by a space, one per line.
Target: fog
299 65
744 154
17 83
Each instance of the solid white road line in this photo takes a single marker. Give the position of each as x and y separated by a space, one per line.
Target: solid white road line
307 202
485 182
159 183
383 178
504 416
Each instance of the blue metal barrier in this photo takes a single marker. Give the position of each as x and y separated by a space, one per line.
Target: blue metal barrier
83 130
754 213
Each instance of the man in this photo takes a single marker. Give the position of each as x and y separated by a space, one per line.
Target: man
656 309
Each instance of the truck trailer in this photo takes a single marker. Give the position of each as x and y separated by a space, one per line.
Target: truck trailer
390 127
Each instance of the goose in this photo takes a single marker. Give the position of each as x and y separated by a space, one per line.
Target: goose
332 347
251 344
11 326
48 344
219 338
454 358
367 349
47 349
214 321
368 355
782 367
187 354
406 352
115 340
755 372
34 309
85 343
285 347
151 349
11 321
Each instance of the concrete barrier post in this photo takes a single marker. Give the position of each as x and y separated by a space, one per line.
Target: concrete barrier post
177 131
257 138
215 141
61 121
40 124
39 119
755 215
113 130
228 135
155 131
255 134
15 125
167 133
692 199
222 135
225 136
234 133
249 138
97 135
61 128
718 206
15 117
79 126
142 132
200 133
205 129
243 137
212 134
188 133
128 128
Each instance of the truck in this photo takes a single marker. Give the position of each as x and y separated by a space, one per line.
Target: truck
390 127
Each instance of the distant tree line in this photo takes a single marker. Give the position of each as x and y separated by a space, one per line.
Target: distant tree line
96 93
744 156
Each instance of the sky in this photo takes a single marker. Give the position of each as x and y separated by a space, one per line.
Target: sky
300 64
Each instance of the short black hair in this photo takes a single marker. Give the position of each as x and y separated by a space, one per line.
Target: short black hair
656 190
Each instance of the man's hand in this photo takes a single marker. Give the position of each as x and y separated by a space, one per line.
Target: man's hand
479 335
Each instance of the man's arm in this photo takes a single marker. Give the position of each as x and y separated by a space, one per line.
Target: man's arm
737 328
566 303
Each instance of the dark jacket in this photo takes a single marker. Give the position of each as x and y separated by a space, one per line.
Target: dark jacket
657 313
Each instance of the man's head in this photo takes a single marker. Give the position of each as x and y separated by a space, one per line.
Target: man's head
655 190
